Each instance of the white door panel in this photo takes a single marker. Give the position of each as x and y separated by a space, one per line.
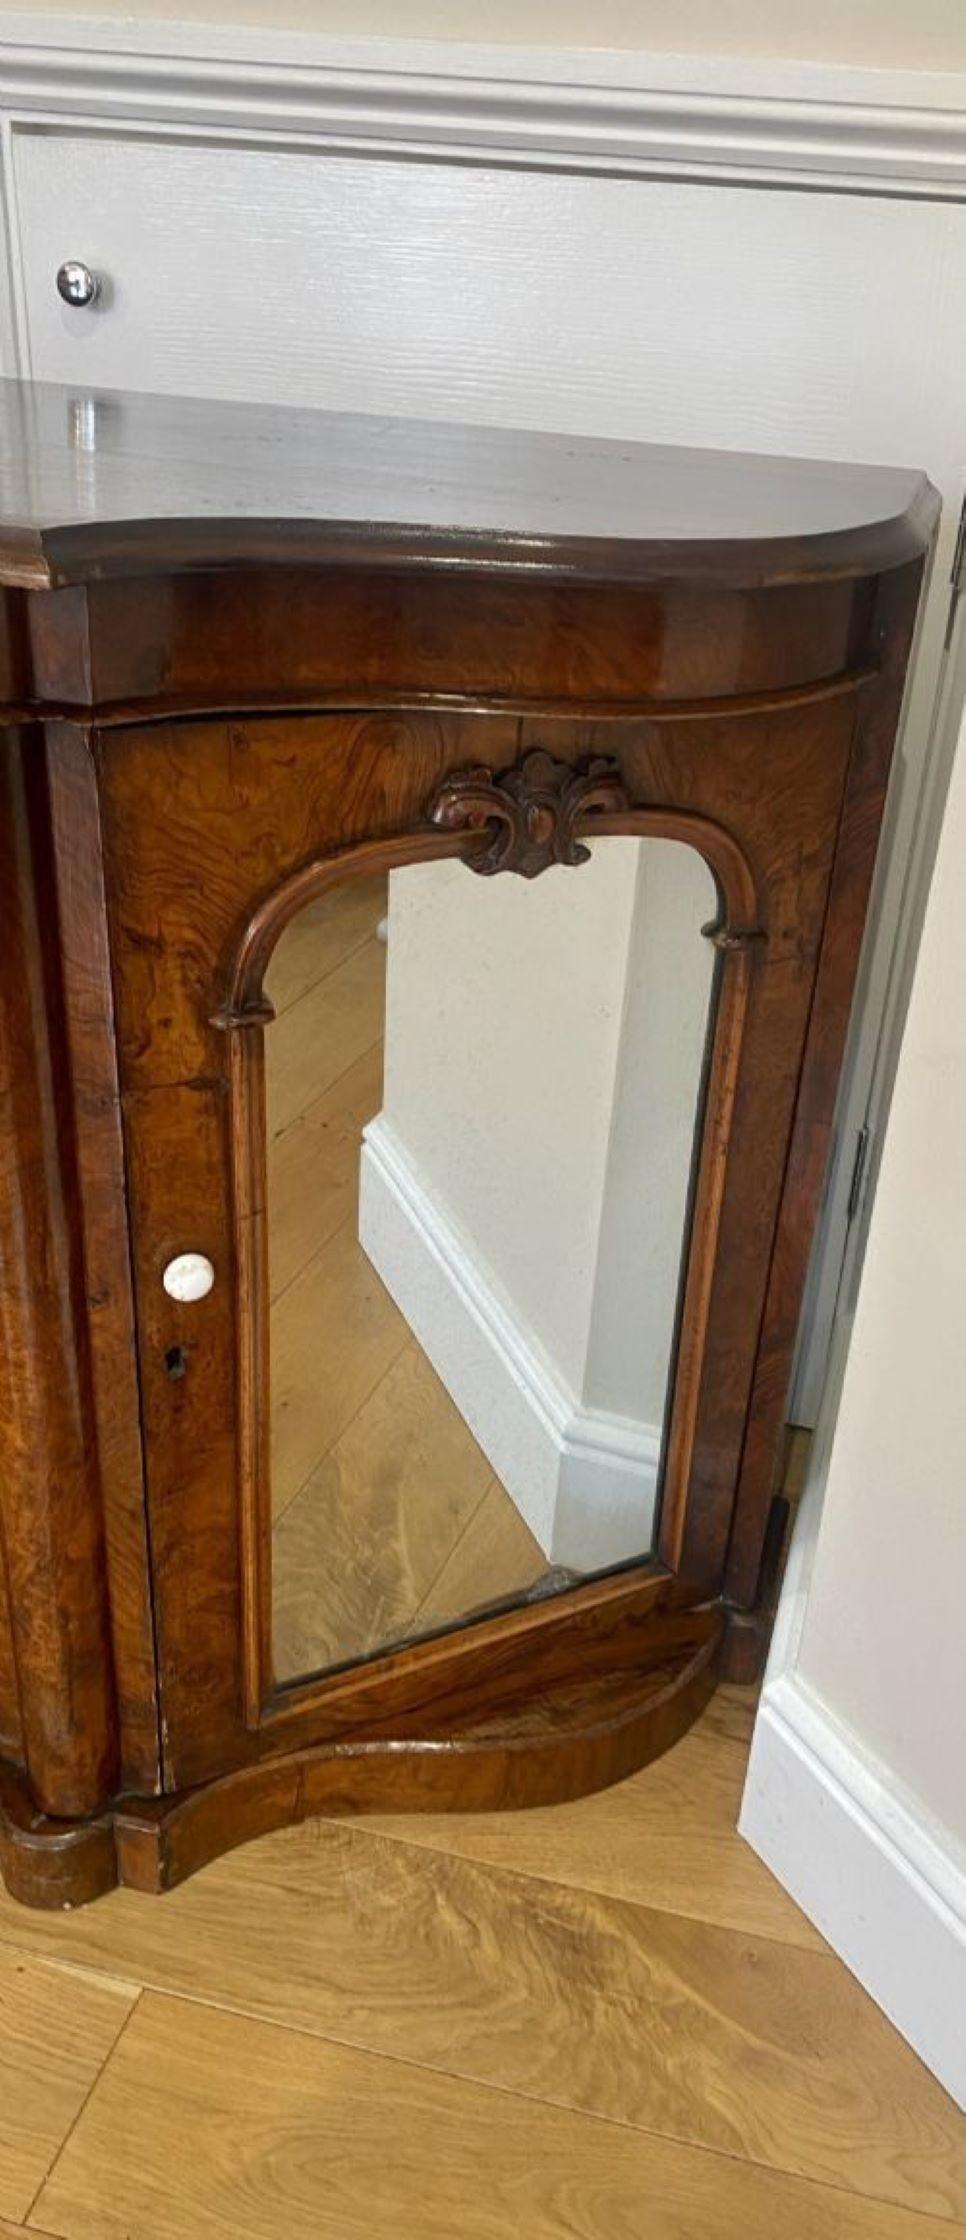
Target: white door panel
686 313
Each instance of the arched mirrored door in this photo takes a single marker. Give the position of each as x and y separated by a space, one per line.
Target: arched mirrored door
483 1099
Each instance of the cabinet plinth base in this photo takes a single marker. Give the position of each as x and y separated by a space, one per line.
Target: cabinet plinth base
582 1736
52 1864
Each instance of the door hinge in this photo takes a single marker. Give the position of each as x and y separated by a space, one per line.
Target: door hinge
957 574
858 1171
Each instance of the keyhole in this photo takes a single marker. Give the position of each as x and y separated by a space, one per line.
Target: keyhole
175 1362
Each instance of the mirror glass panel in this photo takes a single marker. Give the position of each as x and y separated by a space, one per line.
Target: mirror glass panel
483 1098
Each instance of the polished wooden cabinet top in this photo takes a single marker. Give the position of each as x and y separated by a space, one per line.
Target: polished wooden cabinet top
94 484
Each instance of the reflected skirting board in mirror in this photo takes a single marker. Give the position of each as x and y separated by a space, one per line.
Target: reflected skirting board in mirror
434 863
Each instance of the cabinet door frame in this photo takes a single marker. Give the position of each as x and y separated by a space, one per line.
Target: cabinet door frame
194 1143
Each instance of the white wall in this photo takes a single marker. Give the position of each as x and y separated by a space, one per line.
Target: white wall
881 34
503 1015
666 994
857 1788
892 1547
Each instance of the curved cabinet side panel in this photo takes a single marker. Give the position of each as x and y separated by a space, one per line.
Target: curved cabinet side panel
49 1492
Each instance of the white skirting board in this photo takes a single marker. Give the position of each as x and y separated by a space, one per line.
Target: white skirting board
584 1482
881 1887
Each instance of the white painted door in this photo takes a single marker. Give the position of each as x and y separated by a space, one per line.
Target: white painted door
747 316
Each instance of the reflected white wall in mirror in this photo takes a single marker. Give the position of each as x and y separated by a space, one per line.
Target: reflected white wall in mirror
524 1185
477 1196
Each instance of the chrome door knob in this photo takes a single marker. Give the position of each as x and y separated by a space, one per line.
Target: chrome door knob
77 284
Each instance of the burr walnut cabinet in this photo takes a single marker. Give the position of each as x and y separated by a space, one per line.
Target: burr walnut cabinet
330 1479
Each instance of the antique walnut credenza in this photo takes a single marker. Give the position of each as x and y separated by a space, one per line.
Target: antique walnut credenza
249 661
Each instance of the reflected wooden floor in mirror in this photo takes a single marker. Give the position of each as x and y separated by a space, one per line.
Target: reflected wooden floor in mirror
388 1519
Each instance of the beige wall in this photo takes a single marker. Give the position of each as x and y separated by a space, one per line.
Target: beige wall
542 1074
876 34
884 1639
667 991
503 1017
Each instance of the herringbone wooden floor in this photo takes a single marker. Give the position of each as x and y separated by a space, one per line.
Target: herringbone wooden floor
603 2020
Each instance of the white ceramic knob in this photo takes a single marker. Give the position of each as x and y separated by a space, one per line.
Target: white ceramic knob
188 1277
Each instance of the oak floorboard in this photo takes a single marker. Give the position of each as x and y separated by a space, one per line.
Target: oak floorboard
334 1334
313 1169
730 1714
495 1555
718 2040
322 936
332 1025
667 1838
55 2033
356 1550
207 2124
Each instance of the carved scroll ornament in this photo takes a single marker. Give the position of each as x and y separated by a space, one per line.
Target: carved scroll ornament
533 810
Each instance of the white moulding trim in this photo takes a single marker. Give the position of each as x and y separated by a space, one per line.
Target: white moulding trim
583 1480
882 1882
589 110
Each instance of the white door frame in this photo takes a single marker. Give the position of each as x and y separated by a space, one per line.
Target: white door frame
732 121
